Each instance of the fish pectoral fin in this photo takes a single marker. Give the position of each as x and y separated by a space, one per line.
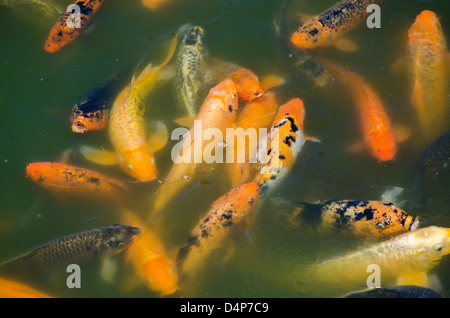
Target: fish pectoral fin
313 139
356 147
271 81
401 132
108 269
185 121
159 135
102 157
413 278
346 45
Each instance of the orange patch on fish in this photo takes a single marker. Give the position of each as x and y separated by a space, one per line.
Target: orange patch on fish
64 178
11 289
212 231
150 258
247 84
62 34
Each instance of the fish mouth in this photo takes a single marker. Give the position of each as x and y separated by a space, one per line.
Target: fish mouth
79 127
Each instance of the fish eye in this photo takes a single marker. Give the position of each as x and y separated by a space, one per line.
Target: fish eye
438 247
380 225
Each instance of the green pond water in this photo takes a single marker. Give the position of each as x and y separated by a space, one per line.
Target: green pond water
38 90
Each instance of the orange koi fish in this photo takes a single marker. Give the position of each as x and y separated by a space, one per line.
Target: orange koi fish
127 131
11 289
211 232
218 111
153 4
284 144
378 134
150 259
63 178
361 218
256 114
62 33
427 62
329 26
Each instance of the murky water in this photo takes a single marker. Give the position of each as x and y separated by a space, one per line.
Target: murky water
38 90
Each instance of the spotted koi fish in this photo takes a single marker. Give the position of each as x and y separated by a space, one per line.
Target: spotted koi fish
150 258
405 259
62 34
326 28
61 178
284 144
361 218
427 56
218 111
213 229
12 289
92 112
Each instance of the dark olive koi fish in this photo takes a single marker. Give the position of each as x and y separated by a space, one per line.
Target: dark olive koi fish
74 248
362 218
92 112
62 33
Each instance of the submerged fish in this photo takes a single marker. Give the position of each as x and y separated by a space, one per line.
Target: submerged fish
284 143
433 175
11 289
63 33
62 178
154 4
427 56
378 134
405 291
33 8
304 67
92 112
218 111
362 218
326 28
55 255
150 258
191 65
403 260
213 229
127 131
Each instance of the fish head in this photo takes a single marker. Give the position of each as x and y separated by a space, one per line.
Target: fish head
307 36
247 84
382 145
427 27
139 164
83 122
117 237
160 275
434 240
192 36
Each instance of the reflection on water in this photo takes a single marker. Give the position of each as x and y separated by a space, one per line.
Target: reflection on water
38 92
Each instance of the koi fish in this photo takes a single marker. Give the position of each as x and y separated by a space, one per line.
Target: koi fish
218 111
153 4
286 141
257 114
27 8
191 64
150 258
213 229
11 289
379 136
126 127
92 112
362 218
62 33
63 178
78 248
404 291
329 26
404 259
427 50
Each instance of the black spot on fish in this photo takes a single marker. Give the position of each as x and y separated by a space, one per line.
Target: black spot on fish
281 157
84 9
288 140
367 213
313 32
230 108
205 234
294 127
94 180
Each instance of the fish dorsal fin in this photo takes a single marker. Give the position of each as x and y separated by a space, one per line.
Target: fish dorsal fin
98 156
